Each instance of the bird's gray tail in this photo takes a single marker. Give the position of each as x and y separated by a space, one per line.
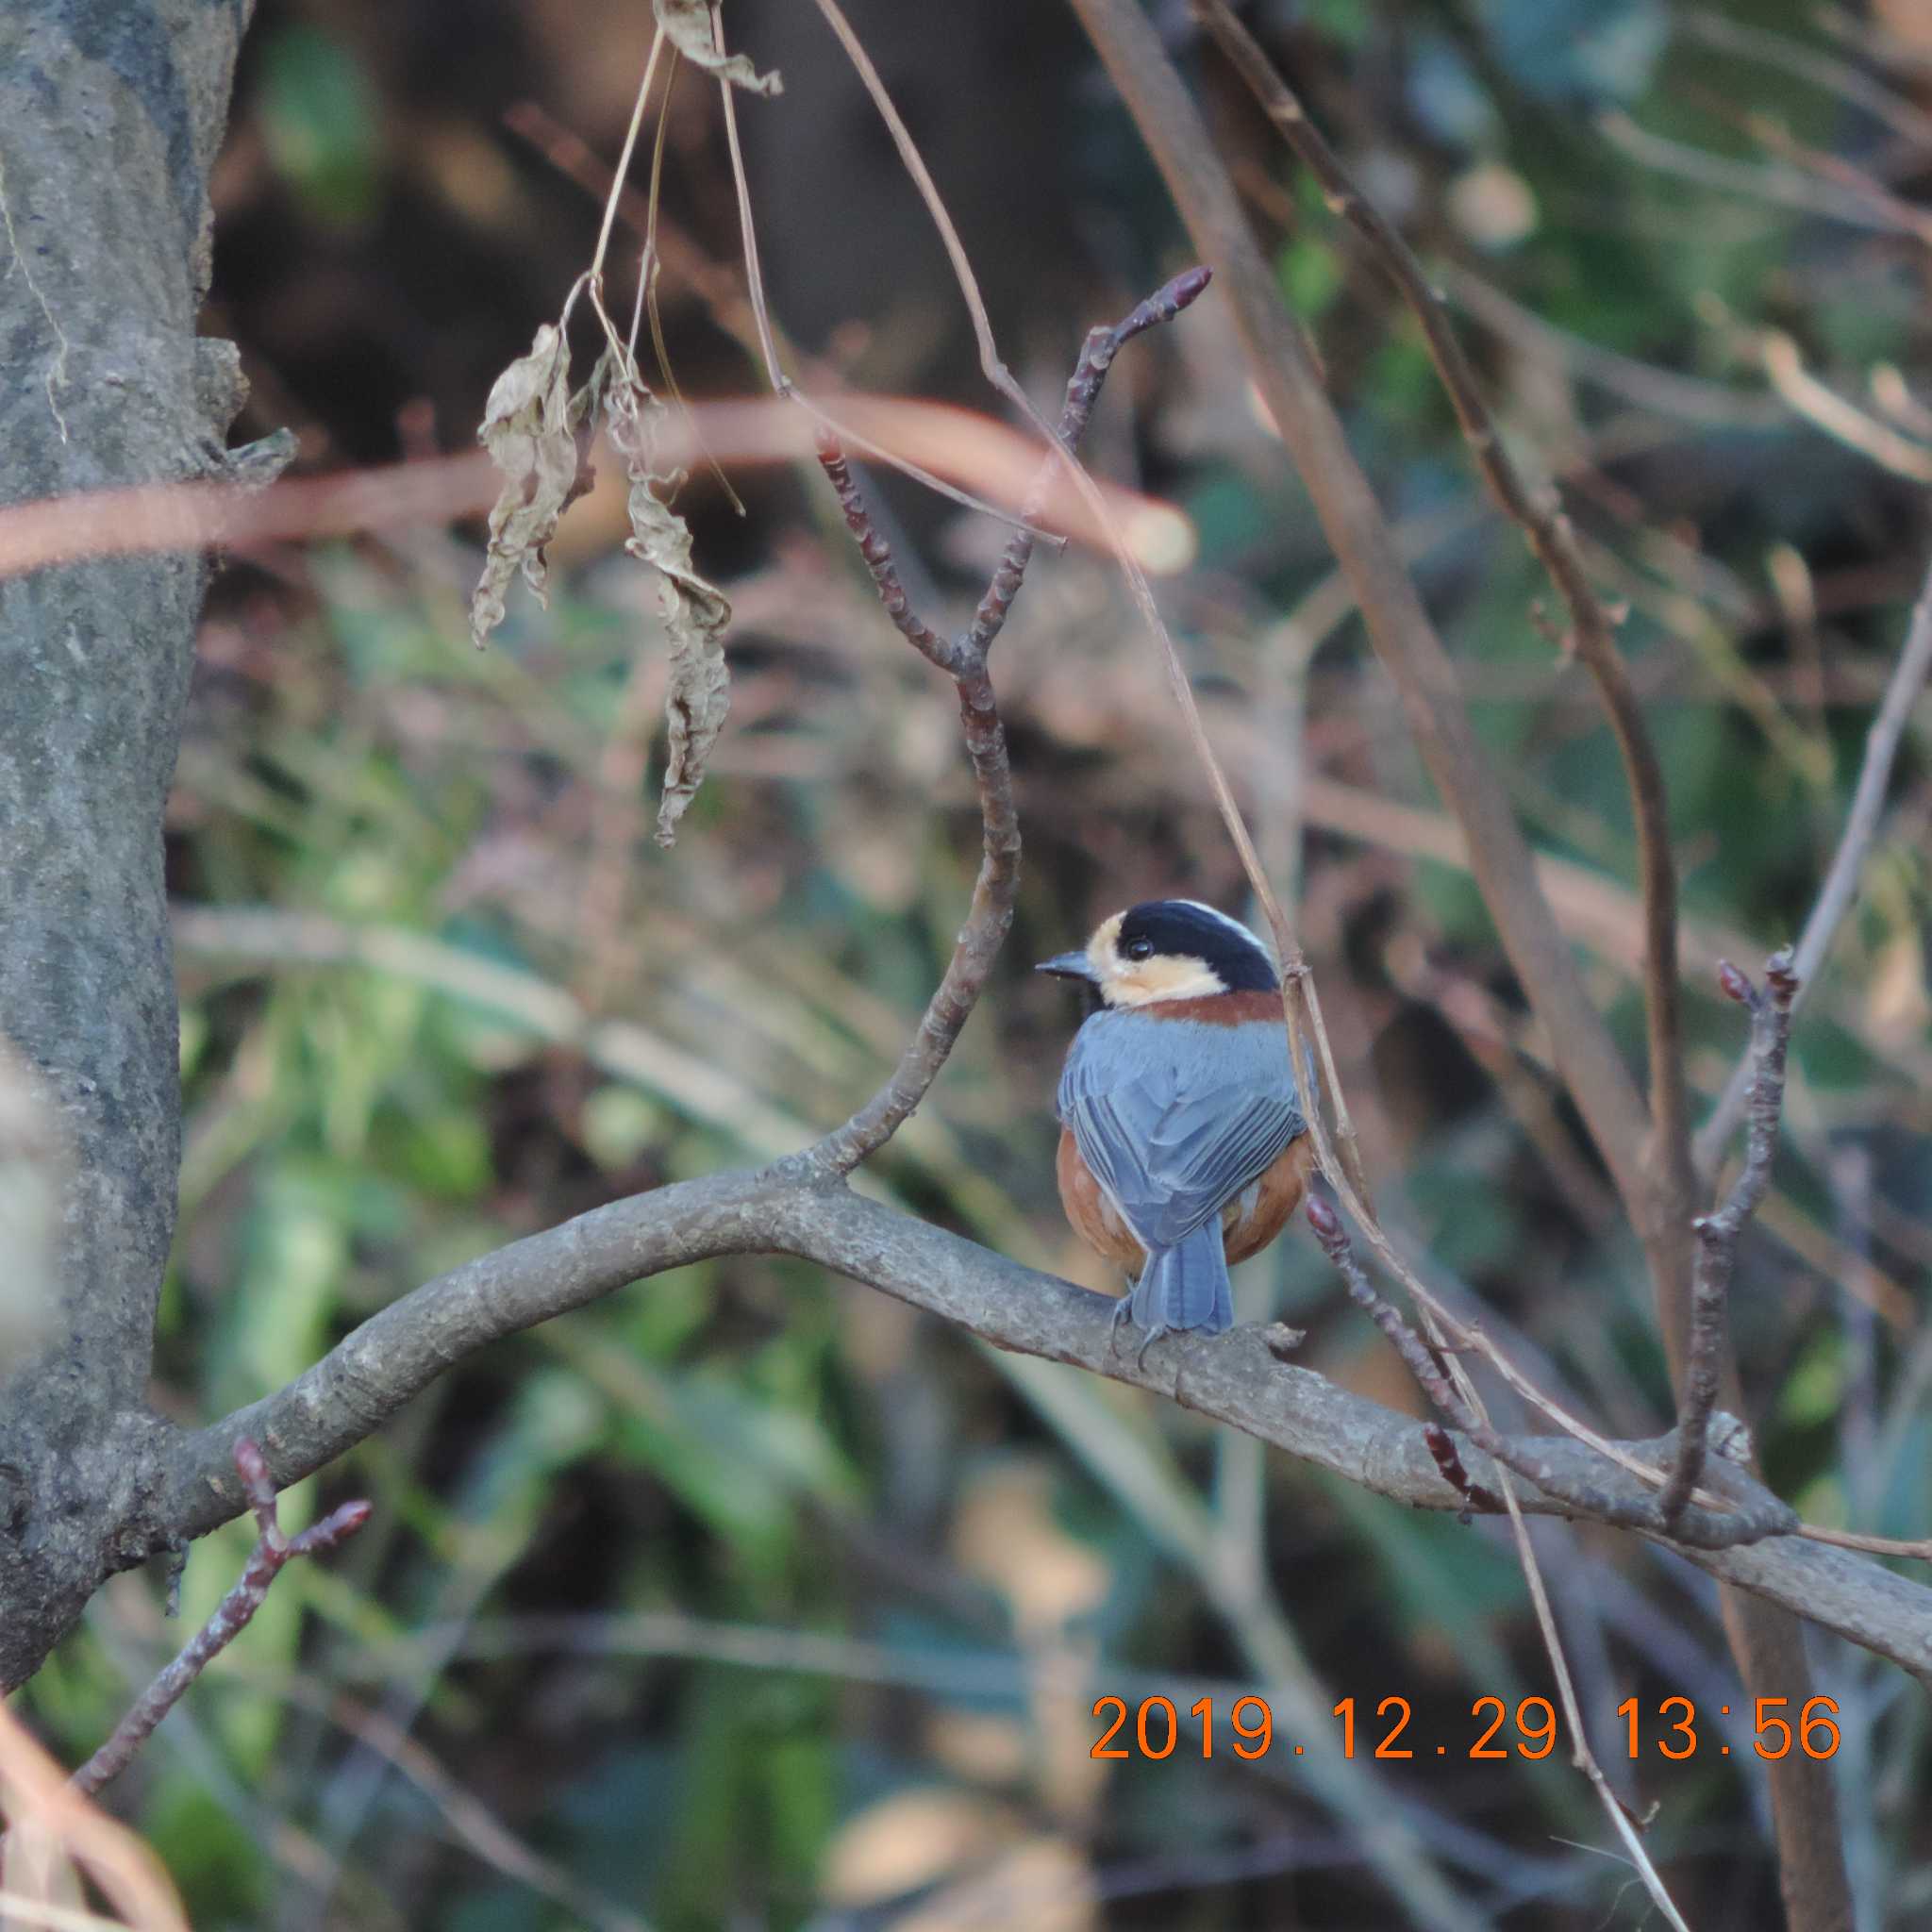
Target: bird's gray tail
1187 1286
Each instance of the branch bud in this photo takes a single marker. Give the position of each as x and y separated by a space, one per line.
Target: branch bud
1186 286
1735 985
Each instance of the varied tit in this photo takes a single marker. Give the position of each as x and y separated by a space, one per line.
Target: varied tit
1183 1146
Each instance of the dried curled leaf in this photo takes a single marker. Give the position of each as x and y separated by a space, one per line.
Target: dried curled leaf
688 23
538 434
695 612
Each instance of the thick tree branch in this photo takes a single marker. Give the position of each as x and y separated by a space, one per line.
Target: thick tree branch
102 274
1237 1379
401 1349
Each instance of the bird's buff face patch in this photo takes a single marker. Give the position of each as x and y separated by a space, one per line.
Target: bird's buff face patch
1129 982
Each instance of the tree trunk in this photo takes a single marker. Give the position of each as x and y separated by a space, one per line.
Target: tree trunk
111 115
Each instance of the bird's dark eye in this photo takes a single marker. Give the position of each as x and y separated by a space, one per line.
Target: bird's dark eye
1138 949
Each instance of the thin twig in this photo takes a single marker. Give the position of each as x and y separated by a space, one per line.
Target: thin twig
1547 530
964 658
691 267
980 939
1772 135
1843 421
1717 1234
1918 1549
271 1550
1463 1406
623 169
1582 1756
1463 1401
1775 182
1813 65
754 274
878 553
768 348
1763 1515
1083 390
1442 1448
1842 879
1506 871
644 298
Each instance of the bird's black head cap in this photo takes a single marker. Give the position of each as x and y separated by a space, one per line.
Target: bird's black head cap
1184 928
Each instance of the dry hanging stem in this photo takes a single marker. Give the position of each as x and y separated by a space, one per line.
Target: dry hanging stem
539 435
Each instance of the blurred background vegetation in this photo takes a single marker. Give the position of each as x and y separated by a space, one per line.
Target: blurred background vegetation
750 1597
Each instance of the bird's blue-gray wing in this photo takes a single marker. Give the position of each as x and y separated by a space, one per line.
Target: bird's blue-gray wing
1173 1118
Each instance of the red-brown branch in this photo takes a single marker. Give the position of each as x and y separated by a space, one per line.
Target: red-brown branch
232 1614
1717 1234
964 658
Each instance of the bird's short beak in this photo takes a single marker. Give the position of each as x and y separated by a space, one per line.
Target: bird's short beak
1069 966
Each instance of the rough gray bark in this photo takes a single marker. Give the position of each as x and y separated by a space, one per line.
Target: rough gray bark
110 113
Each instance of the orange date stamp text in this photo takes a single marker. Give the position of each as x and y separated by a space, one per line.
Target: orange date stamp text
1155 1728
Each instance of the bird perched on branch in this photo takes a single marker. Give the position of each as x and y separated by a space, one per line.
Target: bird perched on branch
1183 1144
